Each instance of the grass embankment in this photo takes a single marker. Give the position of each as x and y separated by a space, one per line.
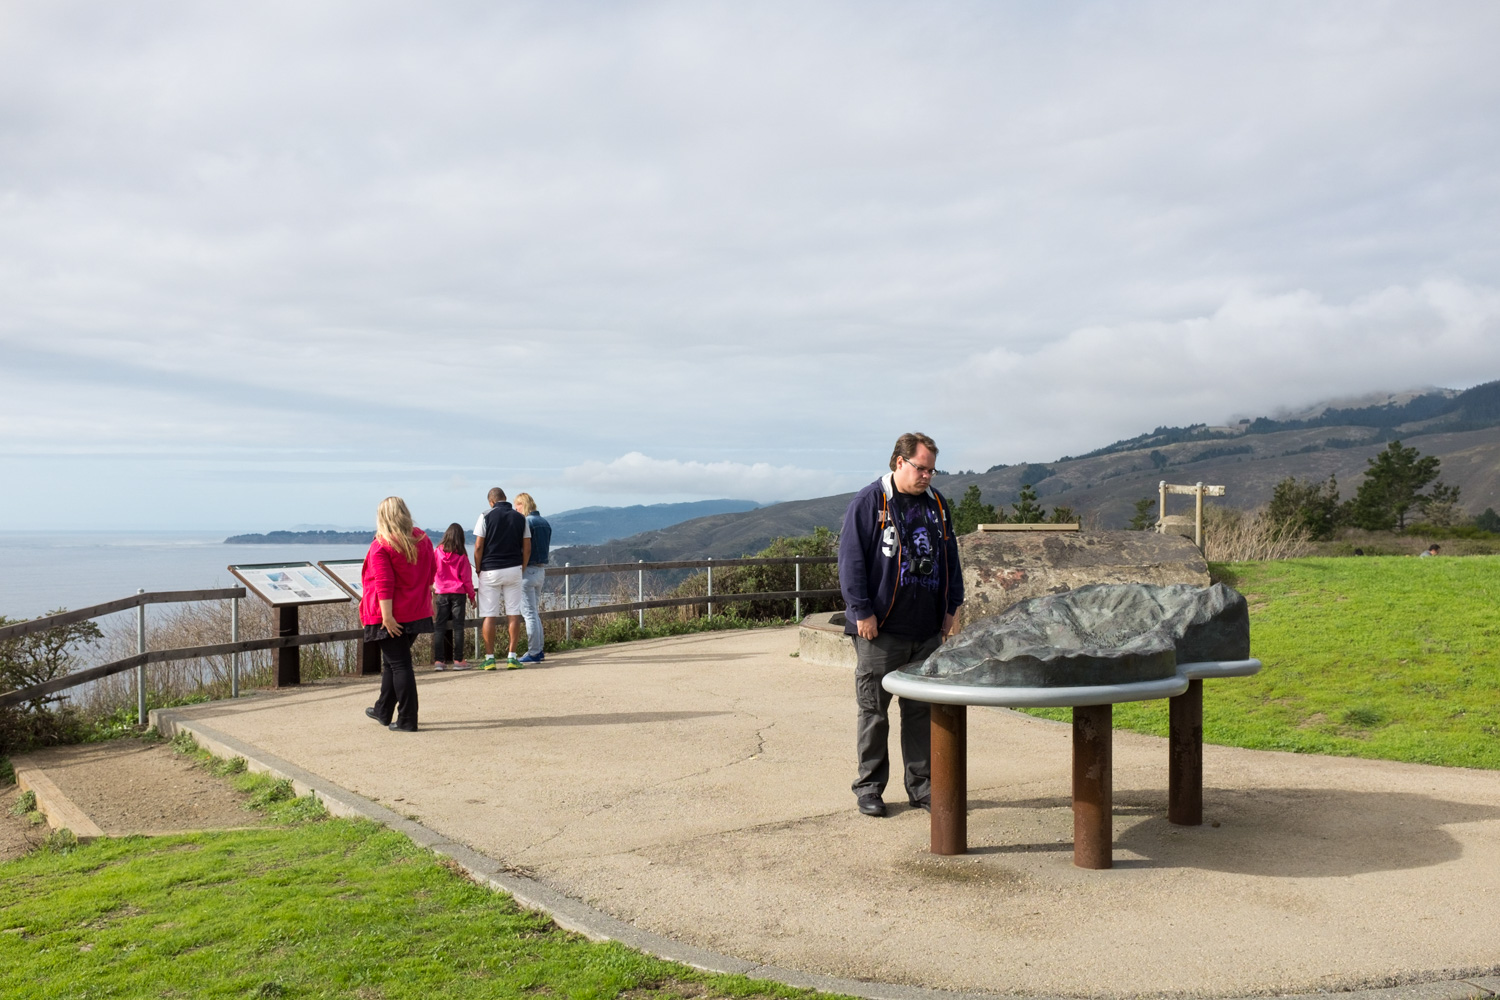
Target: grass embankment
1394 658
313 908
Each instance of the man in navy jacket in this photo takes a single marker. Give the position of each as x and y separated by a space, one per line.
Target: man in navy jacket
899 573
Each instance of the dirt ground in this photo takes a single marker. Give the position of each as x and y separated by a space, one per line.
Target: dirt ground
128 786
17 834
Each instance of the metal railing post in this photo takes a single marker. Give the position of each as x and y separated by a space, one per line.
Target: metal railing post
567 603
140 671
234 658
640 594
710 587
797 601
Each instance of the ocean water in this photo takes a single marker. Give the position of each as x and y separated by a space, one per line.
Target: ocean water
41 571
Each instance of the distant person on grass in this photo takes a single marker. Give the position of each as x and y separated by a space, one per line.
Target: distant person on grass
502 548
899 573
396 582
1432 550
454 586
532 577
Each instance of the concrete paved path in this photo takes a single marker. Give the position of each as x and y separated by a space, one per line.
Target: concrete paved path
698 788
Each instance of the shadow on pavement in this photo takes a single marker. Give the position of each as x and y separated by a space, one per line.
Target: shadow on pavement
586 719
1280 832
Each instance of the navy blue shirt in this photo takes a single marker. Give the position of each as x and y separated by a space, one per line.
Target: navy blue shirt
541 539
503 529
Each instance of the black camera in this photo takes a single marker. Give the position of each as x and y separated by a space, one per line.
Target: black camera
922 565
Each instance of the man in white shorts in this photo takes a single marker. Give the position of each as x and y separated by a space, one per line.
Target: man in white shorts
502 548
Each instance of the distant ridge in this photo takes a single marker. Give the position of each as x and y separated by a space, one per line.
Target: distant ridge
593 525
581 526
306 538
1249 458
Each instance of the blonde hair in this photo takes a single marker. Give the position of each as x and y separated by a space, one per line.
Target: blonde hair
525 504
393 526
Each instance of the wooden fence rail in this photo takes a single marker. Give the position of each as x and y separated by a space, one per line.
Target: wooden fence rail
36 692
110 607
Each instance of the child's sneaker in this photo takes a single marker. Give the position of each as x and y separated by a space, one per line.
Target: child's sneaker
512 662
460 665
439 666
489 662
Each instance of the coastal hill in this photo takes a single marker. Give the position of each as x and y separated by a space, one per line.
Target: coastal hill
1249 458
581 526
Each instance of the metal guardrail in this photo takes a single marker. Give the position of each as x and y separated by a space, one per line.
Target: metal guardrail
141 659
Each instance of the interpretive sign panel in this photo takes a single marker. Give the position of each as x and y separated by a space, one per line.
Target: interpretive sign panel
346 573
289 584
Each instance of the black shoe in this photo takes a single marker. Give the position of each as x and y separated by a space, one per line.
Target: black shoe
397 727
371 713
871 805
925 804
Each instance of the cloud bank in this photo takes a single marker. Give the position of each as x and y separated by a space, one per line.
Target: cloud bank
508 242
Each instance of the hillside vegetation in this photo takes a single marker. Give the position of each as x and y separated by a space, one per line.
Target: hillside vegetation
1102 487
1392 657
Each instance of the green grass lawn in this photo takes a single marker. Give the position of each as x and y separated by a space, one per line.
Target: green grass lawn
314 908
1389 657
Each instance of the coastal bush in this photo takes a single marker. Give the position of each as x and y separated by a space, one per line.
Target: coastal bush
29 660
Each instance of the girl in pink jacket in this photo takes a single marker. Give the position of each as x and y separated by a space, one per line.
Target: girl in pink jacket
396 608
454 586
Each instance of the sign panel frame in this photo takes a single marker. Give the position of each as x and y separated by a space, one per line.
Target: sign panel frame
351 587
297 590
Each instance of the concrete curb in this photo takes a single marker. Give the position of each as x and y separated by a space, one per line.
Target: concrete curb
61 812
577 916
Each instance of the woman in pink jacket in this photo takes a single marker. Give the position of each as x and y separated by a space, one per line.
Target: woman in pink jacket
395 608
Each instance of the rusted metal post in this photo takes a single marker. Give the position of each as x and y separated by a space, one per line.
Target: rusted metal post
288 659
950 779
1185 766
1093 832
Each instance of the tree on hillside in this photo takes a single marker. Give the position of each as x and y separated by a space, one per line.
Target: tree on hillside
1488 521
1062 514
1026 510
1441 505
1308 505
1144 518
1159 459
972 511
1392 488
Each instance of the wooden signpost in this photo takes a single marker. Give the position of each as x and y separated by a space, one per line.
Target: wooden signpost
1164 522
287 587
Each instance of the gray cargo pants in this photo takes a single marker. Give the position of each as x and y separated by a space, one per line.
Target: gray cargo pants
878 657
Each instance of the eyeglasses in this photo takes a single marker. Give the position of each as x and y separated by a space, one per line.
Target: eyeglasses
922 470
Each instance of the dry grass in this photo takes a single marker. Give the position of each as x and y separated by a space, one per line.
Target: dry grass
1231 535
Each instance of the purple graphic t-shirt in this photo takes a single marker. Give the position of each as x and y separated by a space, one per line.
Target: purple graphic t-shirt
917 613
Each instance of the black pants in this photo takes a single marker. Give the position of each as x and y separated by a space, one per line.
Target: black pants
448 622
878 657
398 683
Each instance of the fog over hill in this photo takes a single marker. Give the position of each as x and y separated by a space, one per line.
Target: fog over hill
1249 458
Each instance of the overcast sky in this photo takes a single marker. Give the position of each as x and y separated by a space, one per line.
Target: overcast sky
265 264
